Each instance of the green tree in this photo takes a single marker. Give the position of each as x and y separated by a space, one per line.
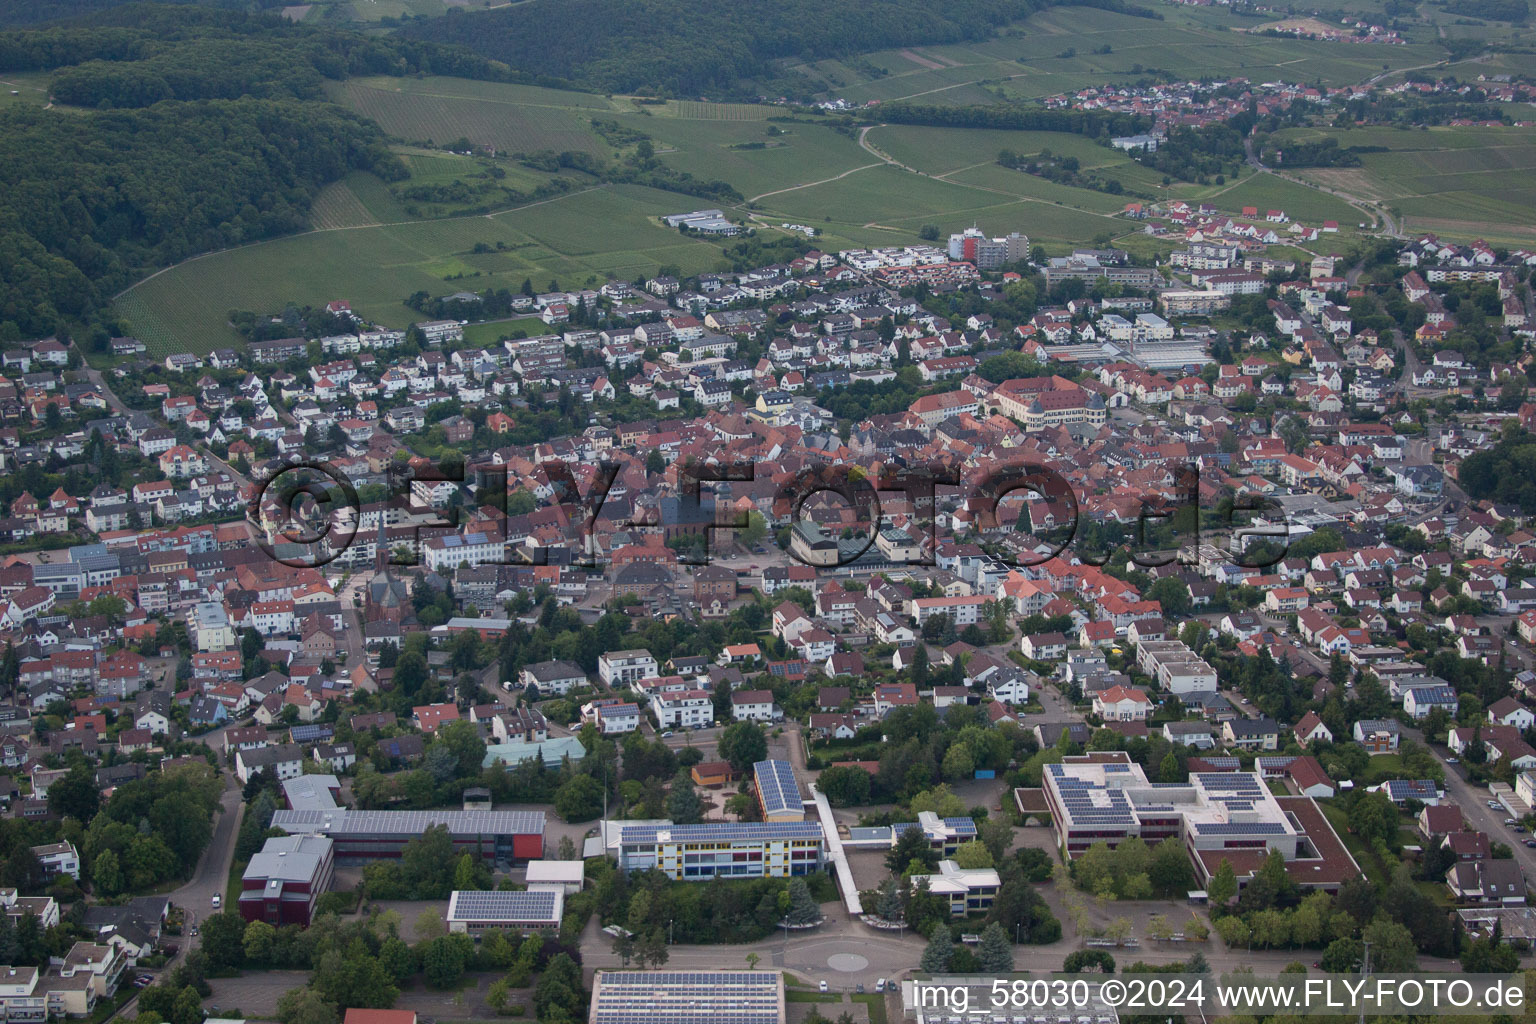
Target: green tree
1223 885
844 785
443 960
683 803
258 942
579 798
973 855
223 940
910 845
994 955
75 795
743 744
305 1006
939 951
465 875
802 908
107 874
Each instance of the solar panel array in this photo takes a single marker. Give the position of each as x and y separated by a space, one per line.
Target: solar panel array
411 823
723 831
532 905
777 788
961 826
1089 804
687 997
1412 789
1239 828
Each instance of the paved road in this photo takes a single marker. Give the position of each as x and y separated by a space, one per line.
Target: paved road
894 955
212 875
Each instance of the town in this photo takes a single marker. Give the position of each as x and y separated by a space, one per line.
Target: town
359 665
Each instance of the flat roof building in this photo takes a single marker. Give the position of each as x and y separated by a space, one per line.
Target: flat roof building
284 880
534 910
1217 815
749 849
687 997
369 835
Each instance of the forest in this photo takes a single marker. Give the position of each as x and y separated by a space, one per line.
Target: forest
90 201
709 47
1094 124
1506 473
202 129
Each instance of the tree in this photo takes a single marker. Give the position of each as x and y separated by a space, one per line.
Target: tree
258 941
1223 885
939 951
888 901
463 740
496 996
994 955
1392 947
579 798
443 960
743 744
223 940
106 874
802 908
1088 960
1373 817
973 855
910 845
683 804
844 785
997 836
958 764
653 949
428 925
465 873
75 795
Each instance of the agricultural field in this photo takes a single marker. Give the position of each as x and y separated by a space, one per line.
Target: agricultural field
1067 49
577 238
507 118
1463 182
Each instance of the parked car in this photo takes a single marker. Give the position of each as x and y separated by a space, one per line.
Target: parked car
1452 760
824 986
880 985
217 899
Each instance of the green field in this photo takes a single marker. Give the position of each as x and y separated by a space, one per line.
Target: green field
508 118
576 238
1054 52
374 244
24 87
1462 182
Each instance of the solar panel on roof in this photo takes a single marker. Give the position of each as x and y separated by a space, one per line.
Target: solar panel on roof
777 787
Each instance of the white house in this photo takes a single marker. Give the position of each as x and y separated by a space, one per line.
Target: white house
687 709
1122 704
754 706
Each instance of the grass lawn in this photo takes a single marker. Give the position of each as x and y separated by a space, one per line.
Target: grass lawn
876 1003
802 996
1364 855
